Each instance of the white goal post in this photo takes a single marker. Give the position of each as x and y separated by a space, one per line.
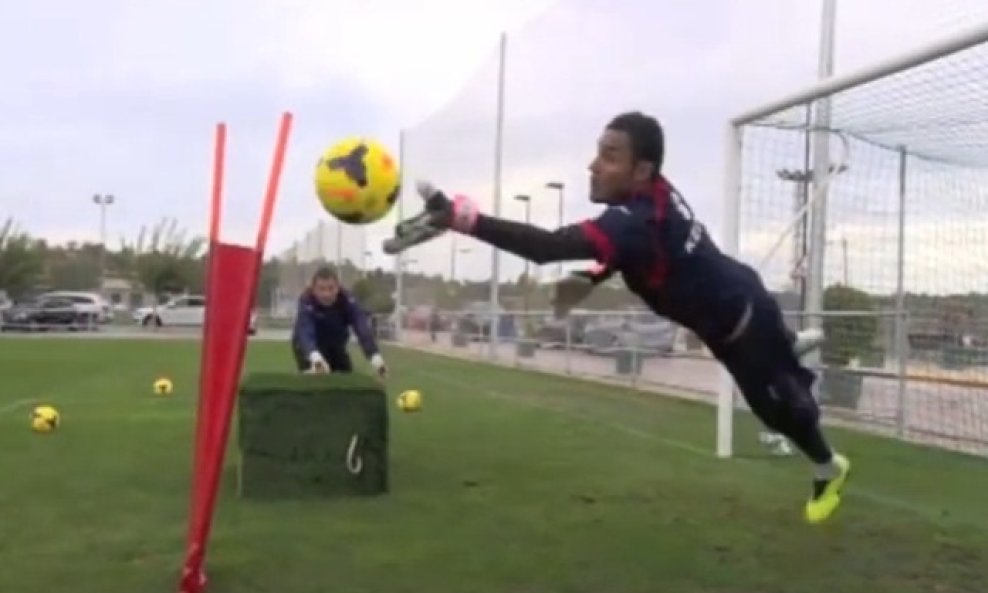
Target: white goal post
888 167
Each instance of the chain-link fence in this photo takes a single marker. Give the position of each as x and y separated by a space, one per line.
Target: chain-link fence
932 395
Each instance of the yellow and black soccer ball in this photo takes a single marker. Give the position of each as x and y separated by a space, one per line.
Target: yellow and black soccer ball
357 180
163 386
45 419
410 400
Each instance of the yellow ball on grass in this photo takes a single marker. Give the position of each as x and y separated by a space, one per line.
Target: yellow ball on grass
410 401
45 419
163 386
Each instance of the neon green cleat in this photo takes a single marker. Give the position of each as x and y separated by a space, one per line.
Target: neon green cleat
827 493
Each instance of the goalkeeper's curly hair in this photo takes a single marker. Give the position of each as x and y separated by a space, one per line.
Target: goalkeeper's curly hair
647 138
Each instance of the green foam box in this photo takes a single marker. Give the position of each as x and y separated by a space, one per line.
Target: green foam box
307 436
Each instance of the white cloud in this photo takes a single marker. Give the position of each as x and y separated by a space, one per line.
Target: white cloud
122 97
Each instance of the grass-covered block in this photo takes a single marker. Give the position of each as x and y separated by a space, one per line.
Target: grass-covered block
305 436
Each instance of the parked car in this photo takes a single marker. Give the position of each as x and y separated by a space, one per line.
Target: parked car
474 321
182 311
93 307
649 334
43 314
425 318
551 333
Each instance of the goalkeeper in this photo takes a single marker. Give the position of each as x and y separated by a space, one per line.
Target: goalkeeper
322 328
648 234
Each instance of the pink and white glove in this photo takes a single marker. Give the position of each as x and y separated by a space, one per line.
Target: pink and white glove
459 214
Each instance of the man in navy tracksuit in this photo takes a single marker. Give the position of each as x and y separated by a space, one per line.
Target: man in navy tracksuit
326 313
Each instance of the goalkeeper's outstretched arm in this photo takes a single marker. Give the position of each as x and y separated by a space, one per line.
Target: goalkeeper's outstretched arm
533 243
571 242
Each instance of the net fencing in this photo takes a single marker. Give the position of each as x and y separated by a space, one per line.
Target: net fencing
868 206
329 243
456 148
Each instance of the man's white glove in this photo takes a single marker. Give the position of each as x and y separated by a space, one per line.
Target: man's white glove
317 364
377 361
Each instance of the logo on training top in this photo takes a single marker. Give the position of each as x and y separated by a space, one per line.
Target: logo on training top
695 233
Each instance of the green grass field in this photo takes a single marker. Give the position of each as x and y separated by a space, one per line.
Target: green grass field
507 482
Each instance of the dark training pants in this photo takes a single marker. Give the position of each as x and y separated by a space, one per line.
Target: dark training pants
338 359
773 381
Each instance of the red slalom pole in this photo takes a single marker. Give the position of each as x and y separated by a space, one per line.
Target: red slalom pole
232 276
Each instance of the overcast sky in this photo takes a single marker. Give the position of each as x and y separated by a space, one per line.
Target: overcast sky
122 96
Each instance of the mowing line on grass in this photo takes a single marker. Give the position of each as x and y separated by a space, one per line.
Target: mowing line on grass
90 401
15 405
921 510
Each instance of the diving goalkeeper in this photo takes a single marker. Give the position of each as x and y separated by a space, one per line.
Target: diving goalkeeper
648 234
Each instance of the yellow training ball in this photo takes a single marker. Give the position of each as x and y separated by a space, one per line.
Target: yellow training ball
410 401
357 180
163 386
45 419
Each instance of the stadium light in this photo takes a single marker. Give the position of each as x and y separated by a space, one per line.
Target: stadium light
452 257
103 201
527 200
559 186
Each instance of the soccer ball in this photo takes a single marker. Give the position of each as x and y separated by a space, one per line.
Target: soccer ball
410 401
357 181
44 419
163 386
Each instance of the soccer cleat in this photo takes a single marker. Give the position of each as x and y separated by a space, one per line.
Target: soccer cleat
411 232
827 492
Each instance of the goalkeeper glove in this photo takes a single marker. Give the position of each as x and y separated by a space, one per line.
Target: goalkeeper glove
318 364
440 214
377 361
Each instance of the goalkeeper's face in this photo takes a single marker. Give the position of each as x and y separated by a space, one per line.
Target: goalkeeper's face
615 174
325 290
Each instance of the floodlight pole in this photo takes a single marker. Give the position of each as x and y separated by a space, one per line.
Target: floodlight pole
498 156
103 201
821 176
559 186
527 200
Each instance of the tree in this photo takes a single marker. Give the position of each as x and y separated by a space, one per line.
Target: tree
21 261
168 262
373 294
956 319
74 269
267 283
848 336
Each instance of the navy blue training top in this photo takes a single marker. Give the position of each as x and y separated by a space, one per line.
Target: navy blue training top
667 258
327 328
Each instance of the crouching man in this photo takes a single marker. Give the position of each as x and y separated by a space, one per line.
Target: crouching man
326 314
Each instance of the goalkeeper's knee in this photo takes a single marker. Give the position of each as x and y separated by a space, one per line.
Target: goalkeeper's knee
795 409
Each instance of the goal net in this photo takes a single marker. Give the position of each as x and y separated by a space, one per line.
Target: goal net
863 202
